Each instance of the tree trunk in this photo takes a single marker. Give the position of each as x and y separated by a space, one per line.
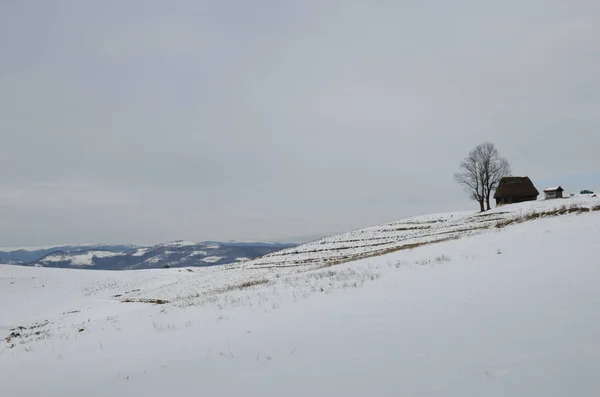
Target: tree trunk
487 201
481 207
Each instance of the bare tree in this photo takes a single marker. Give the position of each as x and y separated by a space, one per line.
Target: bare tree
481 171
494 168
470 177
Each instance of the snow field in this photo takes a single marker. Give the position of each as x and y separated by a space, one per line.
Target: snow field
508 311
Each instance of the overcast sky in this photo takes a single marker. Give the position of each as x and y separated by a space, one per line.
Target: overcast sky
149 121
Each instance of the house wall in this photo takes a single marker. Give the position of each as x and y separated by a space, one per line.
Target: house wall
553 195
514 200
522 199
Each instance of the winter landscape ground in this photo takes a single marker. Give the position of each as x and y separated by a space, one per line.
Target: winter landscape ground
505 303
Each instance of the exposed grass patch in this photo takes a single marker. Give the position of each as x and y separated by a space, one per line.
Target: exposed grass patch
339 252
485 214
387 251
424 222
125 293
145 300
28 334
438 259
242 286
442 258
561 210
252 283
439 237
406 229
347 258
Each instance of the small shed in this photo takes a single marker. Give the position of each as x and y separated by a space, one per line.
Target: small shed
553 192
515 189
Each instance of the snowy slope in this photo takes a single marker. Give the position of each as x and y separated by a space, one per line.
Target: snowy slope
412 232
85 258
511 311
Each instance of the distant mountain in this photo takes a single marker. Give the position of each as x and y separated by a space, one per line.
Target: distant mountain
174 254
24 255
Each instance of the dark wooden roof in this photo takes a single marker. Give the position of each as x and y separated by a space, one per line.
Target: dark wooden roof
554 189
516 186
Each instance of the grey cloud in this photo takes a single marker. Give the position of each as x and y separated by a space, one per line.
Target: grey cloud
149 121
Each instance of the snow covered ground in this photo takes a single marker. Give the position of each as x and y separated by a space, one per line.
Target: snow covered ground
414 231
511 311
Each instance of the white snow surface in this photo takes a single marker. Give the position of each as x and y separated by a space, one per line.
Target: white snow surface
510 311
211 259
140 252
154 259
78 258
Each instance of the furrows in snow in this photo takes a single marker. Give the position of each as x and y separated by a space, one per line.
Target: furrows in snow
414 232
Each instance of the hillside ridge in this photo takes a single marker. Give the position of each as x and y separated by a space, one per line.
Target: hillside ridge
416 231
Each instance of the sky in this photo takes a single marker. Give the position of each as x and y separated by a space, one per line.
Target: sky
146 121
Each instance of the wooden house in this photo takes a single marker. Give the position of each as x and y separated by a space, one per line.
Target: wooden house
515 189
553 192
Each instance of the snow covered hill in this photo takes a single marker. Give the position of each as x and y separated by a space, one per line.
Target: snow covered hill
493 311
31 254
174 254
417 231
79 258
